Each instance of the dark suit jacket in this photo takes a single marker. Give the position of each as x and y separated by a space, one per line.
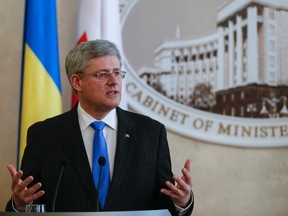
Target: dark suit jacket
142 164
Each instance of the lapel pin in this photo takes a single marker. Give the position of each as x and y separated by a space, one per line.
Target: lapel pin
127 136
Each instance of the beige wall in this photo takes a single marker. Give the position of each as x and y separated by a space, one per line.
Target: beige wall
227 180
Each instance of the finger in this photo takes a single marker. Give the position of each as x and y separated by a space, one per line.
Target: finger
171 190
187 165
16 175
12 170
187 176
38 194
35 188
175 190
23 185
186 173
182 186
16 180
32 193
169 193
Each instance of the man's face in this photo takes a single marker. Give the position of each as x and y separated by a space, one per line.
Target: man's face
98 97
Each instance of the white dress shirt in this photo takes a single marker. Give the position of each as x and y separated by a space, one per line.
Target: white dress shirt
110 134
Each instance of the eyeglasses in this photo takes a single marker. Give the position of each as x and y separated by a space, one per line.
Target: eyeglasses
103 75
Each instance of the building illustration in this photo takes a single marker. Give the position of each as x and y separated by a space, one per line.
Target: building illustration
239 70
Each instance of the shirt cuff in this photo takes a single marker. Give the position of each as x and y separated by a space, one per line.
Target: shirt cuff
181 210
12 202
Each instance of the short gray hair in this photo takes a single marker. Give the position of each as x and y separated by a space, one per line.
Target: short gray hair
78 57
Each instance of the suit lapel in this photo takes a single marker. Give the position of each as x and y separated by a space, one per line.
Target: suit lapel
124 153
75 150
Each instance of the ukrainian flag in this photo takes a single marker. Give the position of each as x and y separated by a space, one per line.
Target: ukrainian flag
40 96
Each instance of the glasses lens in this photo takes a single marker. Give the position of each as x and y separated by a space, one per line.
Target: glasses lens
103 75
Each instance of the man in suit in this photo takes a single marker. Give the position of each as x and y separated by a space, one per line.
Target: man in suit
138 153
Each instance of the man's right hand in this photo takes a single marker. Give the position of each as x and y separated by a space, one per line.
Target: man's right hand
21 194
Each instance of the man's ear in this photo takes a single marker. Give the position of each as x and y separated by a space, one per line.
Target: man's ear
75 82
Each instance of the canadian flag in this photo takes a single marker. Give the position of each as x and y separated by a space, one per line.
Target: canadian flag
100 19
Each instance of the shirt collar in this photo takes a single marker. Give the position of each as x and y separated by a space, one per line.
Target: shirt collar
85 119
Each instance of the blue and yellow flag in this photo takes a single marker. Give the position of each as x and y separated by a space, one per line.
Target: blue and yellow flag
40 81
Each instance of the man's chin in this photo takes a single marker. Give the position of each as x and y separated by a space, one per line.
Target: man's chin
113 104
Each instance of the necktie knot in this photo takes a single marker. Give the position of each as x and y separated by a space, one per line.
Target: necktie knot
98 125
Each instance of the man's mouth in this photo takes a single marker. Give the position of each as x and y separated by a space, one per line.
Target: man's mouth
112 92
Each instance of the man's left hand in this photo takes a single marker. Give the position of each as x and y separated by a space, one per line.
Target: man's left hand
181 192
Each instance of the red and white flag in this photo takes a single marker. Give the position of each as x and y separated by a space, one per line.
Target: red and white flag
100 19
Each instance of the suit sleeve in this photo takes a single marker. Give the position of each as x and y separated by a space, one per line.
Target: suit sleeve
164 174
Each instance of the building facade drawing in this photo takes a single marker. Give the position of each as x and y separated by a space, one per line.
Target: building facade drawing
246 55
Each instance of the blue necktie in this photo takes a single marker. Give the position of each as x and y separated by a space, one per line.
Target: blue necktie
100 149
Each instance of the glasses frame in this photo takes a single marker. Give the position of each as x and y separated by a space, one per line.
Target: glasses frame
104 75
